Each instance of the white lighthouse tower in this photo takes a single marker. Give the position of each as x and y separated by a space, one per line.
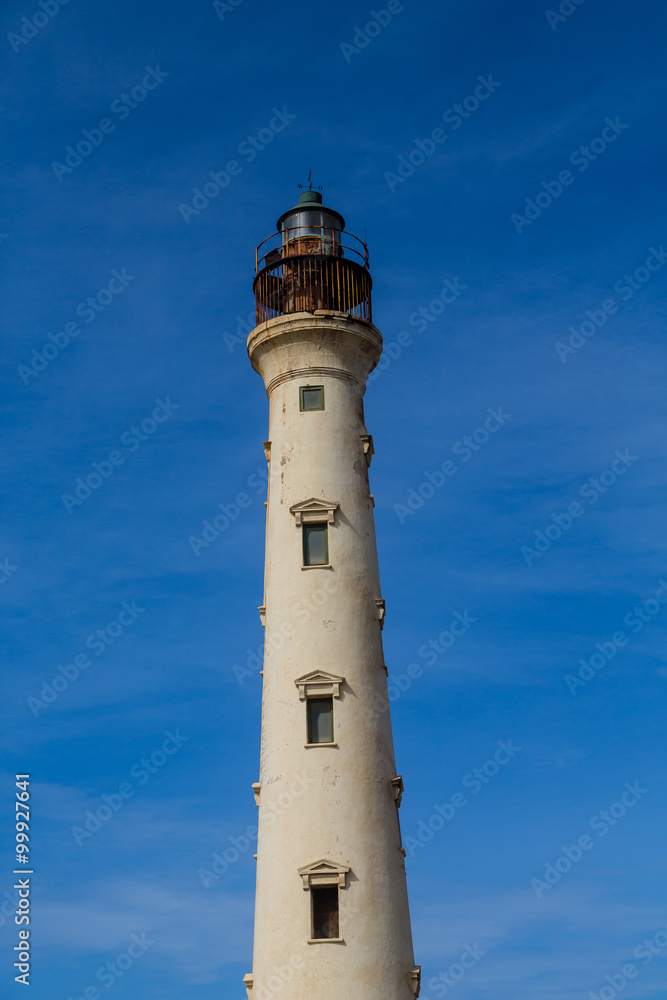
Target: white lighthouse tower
331 914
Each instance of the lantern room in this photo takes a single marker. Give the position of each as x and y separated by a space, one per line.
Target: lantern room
311 264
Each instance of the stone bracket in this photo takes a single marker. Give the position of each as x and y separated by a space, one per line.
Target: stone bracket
381 610
262 615
369 450
248 980
267 450
398 788
256 789
416 979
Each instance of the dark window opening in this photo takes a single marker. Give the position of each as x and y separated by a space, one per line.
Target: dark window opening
325 911
320 720
315 545
311 397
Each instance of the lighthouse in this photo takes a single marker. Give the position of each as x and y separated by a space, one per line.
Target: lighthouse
331 908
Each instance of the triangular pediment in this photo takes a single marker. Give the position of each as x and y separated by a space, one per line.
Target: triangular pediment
314 509
314 503
318 682
319 676
324 872
323 866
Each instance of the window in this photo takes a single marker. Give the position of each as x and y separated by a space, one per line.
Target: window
311 397
322 880
320 720
315 545
324 903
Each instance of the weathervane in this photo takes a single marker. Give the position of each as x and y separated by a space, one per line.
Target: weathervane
310 183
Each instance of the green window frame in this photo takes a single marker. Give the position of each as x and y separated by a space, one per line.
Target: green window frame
307 398
319 715
315 544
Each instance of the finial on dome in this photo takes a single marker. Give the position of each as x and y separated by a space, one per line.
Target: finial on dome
310 194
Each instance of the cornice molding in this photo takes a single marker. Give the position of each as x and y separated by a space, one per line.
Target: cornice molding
314 510
319 684
323 872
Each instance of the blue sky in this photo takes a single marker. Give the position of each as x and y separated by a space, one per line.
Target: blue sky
163 338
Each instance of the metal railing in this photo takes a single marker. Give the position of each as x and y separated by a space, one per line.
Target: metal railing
310 270
326 240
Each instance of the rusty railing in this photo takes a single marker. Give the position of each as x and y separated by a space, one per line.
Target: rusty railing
310 270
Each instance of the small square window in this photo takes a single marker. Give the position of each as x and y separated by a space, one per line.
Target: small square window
315 545
311 397
320 720
325 911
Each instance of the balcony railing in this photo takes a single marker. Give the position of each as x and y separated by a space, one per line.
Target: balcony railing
312 268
